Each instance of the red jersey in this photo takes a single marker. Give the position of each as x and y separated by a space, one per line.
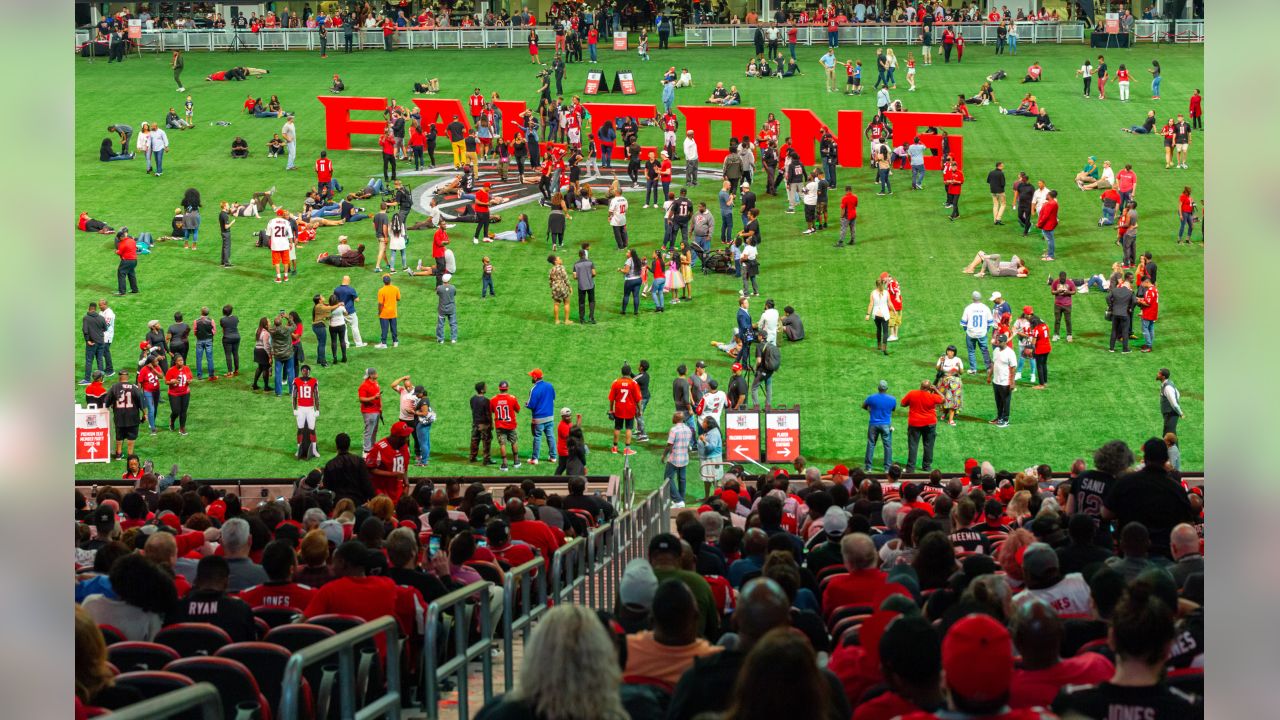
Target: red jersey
895 294
669 122
384 457
1048 219
388 28
592 36
83 222
1196 108
306 233
149 378
506 409
183 376
876 130
664 171
1040 334
1122 75
1185 203
304 389
279 595
562 437
367 388
324 170
960 43
514 554
1112 195
953 179
832 25
1150 302
476 103
624 398
482 201
438 241
388 144
370 598
249 104
849 206
792 34
948 37
416 137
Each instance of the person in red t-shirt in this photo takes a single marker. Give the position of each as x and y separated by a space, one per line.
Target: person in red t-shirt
506 410
894 289
388 144
279 562
370 396
953 178
1041 348
179 381
1186 210
1149 301
481 206
127 249
1047 221
388 462
624 403
306 409
911 660
864 581
514 554
565 425
351 592
848 215
534 533
922 422
1037 634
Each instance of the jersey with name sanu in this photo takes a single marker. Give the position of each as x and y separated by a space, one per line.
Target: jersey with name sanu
125 400
305 391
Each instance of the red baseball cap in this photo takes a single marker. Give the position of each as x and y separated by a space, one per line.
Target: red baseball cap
839 470
737 367
217 510
400 429
977 659
969 465
1026 310
884 275
487 184
281 212
535 373
730 498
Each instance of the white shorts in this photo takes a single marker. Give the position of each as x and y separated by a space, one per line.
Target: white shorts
306 417
575 136
1182 147
669 137
911 71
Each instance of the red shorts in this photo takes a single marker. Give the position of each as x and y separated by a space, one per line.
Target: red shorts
279 257
220 75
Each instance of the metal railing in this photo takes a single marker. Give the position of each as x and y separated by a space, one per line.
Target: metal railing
309 39
568 571
875 34
520 611
344 645
202 695
601 554
460 602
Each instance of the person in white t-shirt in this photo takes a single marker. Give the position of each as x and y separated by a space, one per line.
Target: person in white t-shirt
810 197
768 322
618 218
281 237
977 321
1039 197
1000 374
712 402
1067 594
690 159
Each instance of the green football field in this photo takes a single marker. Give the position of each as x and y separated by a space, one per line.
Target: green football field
1093 396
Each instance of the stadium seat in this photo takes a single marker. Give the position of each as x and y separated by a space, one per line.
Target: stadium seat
1093 646
276 616
486 570
848 623
659 683
192 639
111 634
368 665
241 697
154 683
262 625
587 517
830 570
112 667
336 622
267 662
839 613
1188 680
321 678
130 656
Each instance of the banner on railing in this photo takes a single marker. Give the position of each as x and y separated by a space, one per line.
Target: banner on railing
742 435
781 434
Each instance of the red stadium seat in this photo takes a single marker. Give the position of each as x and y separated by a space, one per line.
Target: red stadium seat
192 639
369 665
154 683
262 626
830 570
1188 680
111 634
235 683
277 616
131 656
1093 646
267 662
297 636
844 611
847 623
586 516
336 622
659 683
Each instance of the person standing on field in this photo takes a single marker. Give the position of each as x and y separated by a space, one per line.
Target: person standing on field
388 303
624 406
1000 374
922 423
848 216
370 396
281 238
505 409
306 409
542 406
176 64
995 182
178 378
1062 288
976 321
290 135
1170 409
481 425
880 405
128 410
225 222
349 297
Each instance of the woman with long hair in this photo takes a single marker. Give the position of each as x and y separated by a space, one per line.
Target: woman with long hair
560 288
658 268
878 310
631 271
950 366
1155 79
144 595
570 672
262 353
763 693
337 328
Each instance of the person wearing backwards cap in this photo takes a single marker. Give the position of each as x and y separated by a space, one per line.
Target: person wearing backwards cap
505 409
281 237
542 405
635 596
977 667
388 462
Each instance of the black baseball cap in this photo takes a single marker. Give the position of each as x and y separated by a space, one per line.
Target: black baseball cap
665 543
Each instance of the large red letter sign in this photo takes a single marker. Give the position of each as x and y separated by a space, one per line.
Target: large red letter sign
906 126
604 112
742 121
806 130
339 127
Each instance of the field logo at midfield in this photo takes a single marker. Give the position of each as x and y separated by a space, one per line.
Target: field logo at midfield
805 126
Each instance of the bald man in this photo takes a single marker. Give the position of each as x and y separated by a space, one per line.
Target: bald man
1037 634
1184 543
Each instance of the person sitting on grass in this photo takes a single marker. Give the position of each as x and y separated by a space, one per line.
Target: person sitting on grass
174 121
962 109
1146 128
275 146
1043 122
718 94
107 152
732 348
337 86
88 224
992 264
985 96
753 70
1033 73
1026 108
430 87
239 148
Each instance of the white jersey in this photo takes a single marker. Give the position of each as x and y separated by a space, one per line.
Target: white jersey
977 319
281 234
712 404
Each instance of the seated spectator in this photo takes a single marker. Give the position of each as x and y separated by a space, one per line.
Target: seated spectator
313 551
792 326
1026 107
754 545
144 595
911 663
718 94
402 556
532 532
665 551
977 664
964 537
107 152
1135 543
162 549
236 546
1033 73
95 680
805 691
98 580
889 516
1146 128
1142 633
770 511
209 602
1105 588
602 510
708 560
992 264
1184 543
275 146
279 561
1067 594
665 652
1043 122
636 591
1150 496
934 561
1037 634
1081 554
239 148
512 554
864 582
781 568
827 553
352 592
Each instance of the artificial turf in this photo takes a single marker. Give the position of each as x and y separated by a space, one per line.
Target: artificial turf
1093 396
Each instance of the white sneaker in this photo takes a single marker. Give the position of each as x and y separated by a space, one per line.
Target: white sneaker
475 241
395 344
380 346
1017 377
1069 338
182 89
360 344
1055 338
681 504
893 338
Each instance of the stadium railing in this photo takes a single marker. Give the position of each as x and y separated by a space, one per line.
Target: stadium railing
202 696
463 603
983 33
568 571
524 600
344 645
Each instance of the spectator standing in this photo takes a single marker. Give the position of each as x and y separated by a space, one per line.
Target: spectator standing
542 406
1170 407
159 145
349 297
584 272
1048 222
178 379
505 410
1063 289
290 135
880 405
976 321
446 309
676 457
388 300
370 396
93 328
995 183
1000 374
127 250
922 423
1149 301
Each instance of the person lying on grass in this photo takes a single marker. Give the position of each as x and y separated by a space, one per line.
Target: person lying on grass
992 264
88 224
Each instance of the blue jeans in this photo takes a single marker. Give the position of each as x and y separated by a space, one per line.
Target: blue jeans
540 429
486 286
91 352
917 175
1149 332
1048 238
677 474
204 351
1013 44
423 432
833 39
1155 86
388 324
874 434
322 334
1184 221
157 157
631 291
1030 362
284 369
889 75
726 226
792 47
453 326
659 293
1108 216
391 258
149 401
592 50
979 342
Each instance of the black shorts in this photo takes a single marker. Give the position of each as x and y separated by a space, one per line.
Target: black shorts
624 423
810 212
127 433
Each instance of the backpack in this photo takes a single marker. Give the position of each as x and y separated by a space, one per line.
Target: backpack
770 358
262 240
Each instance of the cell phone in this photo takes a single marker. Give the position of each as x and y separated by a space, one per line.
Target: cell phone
433 546
482 543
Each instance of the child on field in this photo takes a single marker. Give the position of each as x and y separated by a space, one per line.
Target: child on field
486 278
190 111
644 45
